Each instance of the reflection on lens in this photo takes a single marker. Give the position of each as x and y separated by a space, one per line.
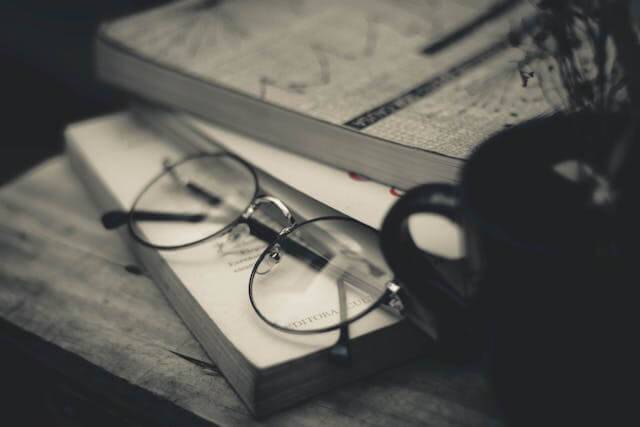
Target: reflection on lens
192 200
323 273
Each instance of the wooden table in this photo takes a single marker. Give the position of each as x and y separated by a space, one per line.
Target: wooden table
73 301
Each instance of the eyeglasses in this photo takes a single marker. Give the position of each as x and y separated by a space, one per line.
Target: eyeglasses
328 271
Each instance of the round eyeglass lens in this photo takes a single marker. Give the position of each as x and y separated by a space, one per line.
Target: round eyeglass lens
192 200
323 273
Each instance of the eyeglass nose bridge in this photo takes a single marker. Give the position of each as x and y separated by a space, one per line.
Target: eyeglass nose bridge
278 204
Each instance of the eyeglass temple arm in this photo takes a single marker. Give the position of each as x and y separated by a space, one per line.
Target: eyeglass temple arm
317 259
115 219
118 218
208 197
340 353
193 188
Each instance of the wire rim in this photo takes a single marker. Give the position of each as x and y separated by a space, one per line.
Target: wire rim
375 304
241 161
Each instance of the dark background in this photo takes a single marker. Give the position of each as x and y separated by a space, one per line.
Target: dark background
46 66
47 74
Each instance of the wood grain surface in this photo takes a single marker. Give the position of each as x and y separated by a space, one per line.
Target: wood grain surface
73 299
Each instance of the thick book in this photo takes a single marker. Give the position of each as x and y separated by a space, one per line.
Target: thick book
354 84
115 156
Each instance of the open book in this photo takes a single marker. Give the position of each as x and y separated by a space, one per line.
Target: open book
115 157
348 83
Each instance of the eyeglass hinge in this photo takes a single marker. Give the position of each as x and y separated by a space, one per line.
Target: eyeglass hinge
279 204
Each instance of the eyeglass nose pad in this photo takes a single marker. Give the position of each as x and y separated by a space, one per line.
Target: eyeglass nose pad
271 260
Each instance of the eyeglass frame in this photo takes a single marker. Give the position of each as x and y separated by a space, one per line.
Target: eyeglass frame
340 352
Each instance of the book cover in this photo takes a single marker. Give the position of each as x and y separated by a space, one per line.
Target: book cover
348 83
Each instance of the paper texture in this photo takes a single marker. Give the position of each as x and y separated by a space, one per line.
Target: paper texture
126 156
358 64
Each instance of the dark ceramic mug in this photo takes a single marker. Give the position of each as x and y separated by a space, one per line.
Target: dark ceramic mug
541 269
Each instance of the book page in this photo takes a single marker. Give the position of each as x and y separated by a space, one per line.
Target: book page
359 64
125 157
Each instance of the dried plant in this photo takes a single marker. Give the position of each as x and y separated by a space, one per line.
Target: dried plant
586 56
580 49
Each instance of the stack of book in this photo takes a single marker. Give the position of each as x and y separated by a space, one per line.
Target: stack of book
338 105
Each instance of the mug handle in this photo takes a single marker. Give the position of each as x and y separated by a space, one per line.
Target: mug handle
428 279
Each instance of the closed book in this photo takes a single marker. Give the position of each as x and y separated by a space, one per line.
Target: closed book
349 83
115 156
